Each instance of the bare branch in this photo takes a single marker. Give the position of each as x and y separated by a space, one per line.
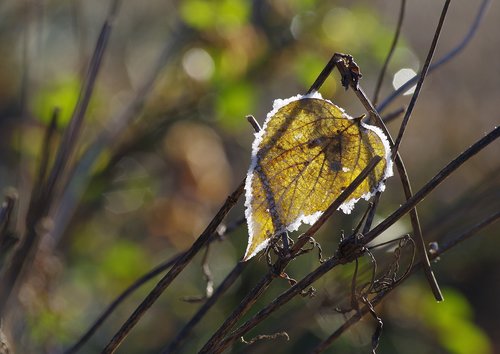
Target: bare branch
432 184
422 76
444 59
137 284
186 330
391 51
174 271
116 126
379 297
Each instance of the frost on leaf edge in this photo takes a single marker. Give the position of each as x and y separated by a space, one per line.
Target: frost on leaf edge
346 207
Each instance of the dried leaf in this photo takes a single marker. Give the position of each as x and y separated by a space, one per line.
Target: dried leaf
307 153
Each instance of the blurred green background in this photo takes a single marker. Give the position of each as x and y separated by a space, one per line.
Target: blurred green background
148 186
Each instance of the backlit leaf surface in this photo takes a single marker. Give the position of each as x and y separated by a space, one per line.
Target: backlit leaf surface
307 153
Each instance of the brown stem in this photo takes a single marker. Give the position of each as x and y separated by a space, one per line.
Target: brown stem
379 297
391 52
174 271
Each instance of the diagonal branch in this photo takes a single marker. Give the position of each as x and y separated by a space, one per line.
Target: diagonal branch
379 297
115 127
174 271
136 285
221 289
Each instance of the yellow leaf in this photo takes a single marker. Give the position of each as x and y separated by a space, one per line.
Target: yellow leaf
307 153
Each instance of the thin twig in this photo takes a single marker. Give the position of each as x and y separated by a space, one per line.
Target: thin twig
125 294
275 304
253 122
158 270
379 297
228 281
45 150
221 289
466 234
6 212
381 75
174 271
350 74
8 237
240 310
405 181
444 59
422 76
136 285
432 184
380 325
207 276
70 136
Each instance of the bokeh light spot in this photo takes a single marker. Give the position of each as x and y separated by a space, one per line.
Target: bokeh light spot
401 77
198 64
